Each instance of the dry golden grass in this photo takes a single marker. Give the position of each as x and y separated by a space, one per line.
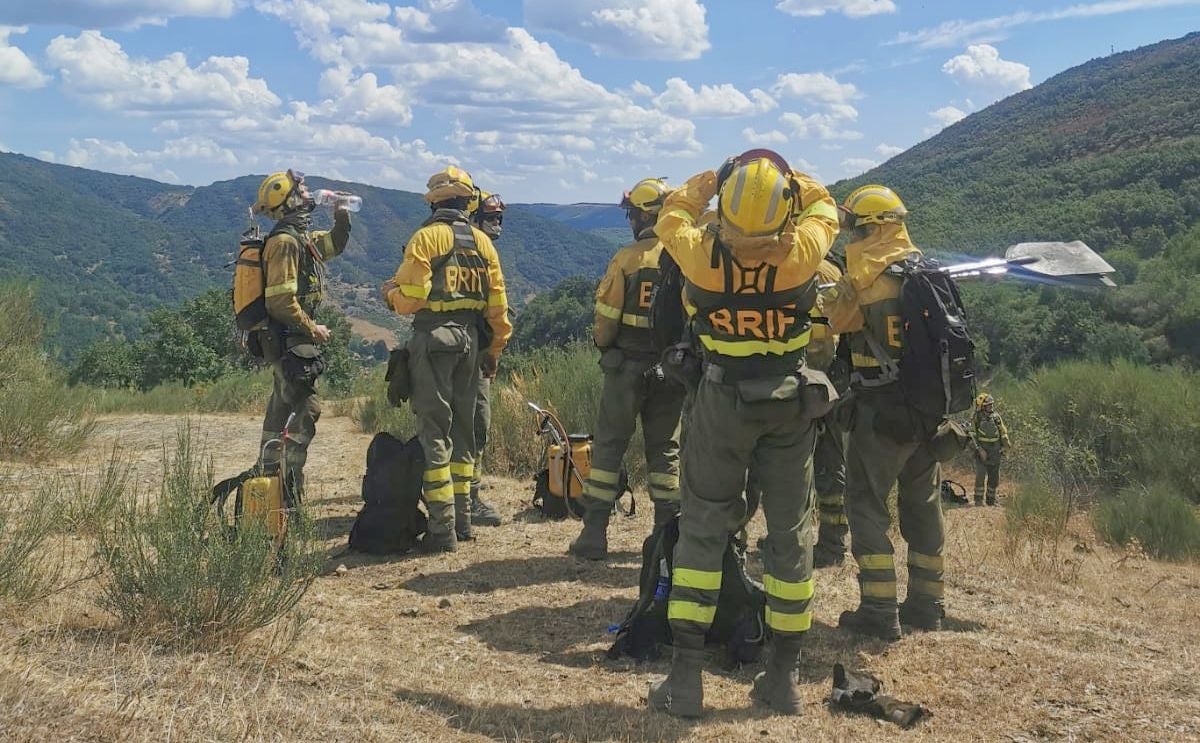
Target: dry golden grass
505 641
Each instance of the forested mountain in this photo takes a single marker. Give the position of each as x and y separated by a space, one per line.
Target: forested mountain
1107 152
107 248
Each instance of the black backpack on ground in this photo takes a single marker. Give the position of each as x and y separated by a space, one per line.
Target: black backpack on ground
738 628
390 520
937 365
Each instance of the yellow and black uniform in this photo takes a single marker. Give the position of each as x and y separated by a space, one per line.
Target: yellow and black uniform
829 457
748 299
452 283
294 259
888 446
991 439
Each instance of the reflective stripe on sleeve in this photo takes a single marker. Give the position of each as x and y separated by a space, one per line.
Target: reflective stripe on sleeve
607 310
288 287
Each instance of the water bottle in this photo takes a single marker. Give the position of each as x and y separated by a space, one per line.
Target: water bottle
337 199
663 588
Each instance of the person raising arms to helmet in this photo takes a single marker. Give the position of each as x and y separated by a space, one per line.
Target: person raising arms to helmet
989 436
294 266
887 443
488 216
451 282
749 284
632 388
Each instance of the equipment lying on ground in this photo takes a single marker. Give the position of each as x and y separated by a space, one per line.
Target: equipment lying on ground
738 627
558 487
264 495
856 691
390 520
952 492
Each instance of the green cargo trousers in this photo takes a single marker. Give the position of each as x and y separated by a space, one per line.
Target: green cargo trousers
290 394
876 462
483 422
628 394
726 437
444 364
829 473
987 474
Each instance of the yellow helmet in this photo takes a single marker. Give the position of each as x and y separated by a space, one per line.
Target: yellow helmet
274 191
647 194
872 205
476 199
755 198
451 183
983 400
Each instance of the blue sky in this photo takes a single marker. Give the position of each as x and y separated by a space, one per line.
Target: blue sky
547 100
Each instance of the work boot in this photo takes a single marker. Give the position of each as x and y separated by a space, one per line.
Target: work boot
664 511
482 514
462 517
979 500
825 556
592 542
439 530
681 692
927 618
991 499
777 687
883 624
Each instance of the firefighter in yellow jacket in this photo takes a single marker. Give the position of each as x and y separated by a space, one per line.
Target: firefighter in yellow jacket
451 282
989 436
294 258
634 385
749 284
889 444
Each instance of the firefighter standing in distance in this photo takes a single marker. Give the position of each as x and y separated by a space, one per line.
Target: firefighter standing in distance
989 436
633 382
488 216
888 444
749 282
294 266
451 282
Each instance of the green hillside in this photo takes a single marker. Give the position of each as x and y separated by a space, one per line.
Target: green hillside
1107 152
107 248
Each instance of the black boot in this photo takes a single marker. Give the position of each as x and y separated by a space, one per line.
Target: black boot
681 693
778 686
881 623
825 556
922 616
462 517
439 532
592 542
482 514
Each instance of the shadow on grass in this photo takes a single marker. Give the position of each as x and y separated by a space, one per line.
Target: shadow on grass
549 632
329 527
492 575
581 721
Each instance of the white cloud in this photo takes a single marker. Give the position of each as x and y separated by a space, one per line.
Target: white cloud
945 116
360 100
107 13
888 150
959 32
98 69
641 29
119 157
981 67
640 88
16 68
853 166
826 126
711 100
764 138
851 8
814 86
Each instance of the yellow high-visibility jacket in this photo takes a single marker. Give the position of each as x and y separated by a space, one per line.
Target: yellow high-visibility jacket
295 275
623 297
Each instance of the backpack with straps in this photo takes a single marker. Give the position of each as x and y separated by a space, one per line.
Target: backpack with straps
738 628
937 364
668 320
390 520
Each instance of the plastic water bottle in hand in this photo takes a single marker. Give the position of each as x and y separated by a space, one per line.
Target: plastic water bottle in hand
337 199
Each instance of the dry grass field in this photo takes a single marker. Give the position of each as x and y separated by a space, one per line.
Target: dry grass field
505 639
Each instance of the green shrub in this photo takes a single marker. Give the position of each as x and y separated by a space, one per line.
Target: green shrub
90 499
39 416
235 392
173 574
29 569
1036 519
1162 522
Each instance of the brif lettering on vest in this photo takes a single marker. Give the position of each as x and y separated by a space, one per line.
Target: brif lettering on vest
645 291
768 324
464 279
893 331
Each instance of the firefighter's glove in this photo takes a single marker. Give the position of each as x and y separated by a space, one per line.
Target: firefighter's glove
862 693
489 365
694 195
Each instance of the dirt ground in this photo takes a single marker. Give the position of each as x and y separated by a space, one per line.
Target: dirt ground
505 641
